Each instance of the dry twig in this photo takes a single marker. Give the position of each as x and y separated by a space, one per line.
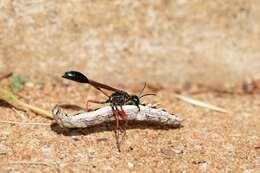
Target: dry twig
105 114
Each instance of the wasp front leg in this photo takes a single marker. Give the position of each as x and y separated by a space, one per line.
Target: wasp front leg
137 105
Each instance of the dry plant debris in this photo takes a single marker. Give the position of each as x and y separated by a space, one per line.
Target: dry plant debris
200 103
14 101
105 114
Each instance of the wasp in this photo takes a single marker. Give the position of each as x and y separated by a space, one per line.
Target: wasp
116 100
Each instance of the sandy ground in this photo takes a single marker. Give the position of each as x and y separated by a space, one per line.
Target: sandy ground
208 141
167 43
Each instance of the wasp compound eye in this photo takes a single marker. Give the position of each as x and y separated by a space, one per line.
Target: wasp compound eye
75 76
135 99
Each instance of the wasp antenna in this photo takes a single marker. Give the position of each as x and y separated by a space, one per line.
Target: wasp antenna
150 94
76 76
142 89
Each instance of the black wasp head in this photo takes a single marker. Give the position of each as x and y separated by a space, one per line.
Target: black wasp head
135 100
75 76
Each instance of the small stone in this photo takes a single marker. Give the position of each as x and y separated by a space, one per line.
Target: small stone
4 149
131 148
47 149
204 166
197 147
197 162
229 147
130 164
75 138
178 151
92 151
109 168
171 152
29 84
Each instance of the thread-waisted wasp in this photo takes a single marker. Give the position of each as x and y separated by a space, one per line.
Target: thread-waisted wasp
116 100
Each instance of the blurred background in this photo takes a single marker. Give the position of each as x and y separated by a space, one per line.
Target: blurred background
165 41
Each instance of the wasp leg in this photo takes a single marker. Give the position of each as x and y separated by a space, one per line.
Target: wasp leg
124 116
117 135
115 111
93 101
138 107
103 92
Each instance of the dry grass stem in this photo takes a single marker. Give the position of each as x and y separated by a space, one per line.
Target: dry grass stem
200 103
24 123
10 98
31 162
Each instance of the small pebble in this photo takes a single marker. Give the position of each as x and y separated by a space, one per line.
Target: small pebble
29 84
92 151
171 152
204 166
4 149
130 164
197 162
109 168
178 151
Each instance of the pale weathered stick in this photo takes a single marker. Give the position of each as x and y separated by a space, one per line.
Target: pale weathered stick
105 114
200 103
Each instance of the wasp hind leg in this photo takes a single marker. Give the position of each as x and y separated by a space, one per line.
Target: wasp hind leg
118 129
93 101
